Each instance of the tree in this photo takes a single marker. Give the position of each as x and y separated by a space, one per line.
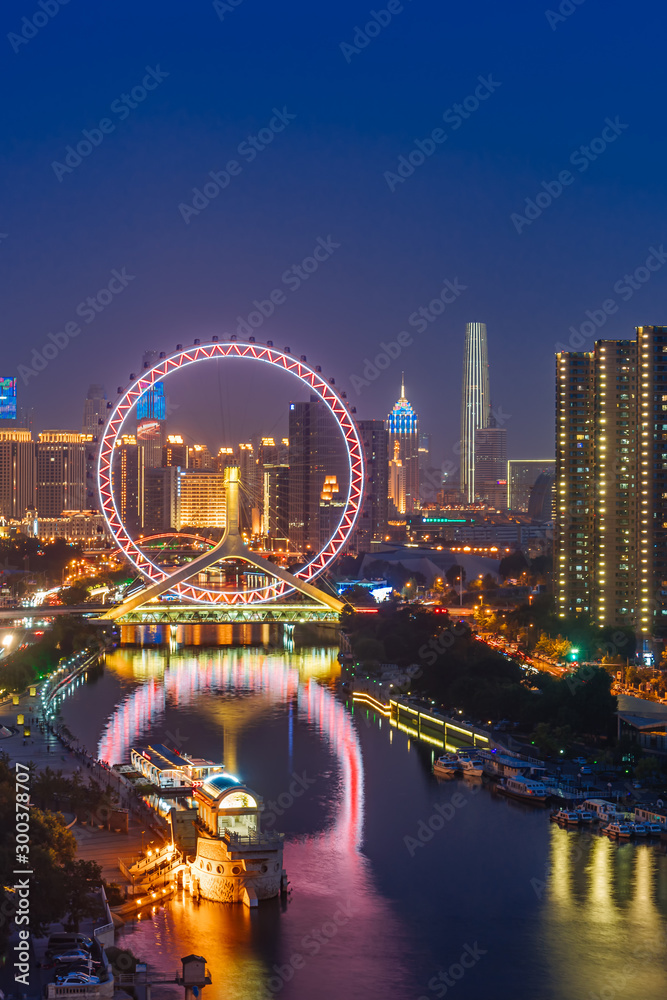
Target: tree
81 881
513 565
455 575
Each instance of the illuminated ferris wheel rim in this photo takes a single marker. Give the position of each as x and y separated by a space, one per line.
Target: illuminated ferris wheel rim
248 350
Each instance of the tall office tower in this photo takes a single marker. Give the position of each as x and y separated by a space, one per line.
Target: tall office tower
175 452
491 465
61 472
161 499
396 482
17 472
316 450
223 459
202 502
251 489
94 410
475 402
128 482
152 417
275 507
403 427
94 418
332 505
599 463
199 457
8 411
522 475
374 513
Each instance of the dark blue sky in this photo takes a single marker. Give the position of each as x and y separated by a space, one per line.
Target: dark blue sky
323 176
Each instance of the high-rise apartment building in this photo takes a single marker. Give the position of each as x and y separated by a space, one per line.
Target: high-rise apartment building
175 452
403 428
275 506
161 500
17 472
608 494
475 402
316 450
128 482
522 475
152 417
61 472
374 513
199 457
94 418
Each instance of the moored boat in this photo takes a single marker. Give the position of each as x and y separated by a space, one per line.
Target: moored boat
567 816
638 829
471 767
586 817
446 767
620 830
525 788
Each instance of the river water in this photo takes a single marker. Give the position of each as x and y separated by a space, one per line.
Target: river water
490 901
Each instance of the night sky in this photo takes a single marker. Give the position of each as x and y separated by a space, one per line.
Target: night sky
341 107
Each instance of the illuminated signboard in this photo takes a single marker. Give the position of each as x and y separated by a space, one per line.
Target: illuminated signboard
7 398
152 405
443 520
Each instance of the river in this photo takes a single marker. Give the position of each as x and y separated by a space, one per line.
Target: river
491 901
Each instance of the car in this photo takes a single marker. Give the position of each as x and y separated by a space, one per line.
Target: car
73 955
585 769
579 760
77 979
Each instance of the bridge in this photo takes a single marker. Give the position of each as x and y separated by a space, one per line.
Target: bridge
229 614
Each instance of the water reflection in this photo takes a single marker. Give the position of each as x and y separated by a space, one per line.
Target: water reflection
602 922
344 918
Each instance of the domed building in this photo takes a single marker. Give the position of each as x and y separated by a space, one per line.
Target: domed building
235 861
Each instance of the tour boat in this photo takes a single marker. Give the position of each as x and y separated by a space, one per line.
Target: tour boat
653 829
568 817
446 766
471 768
585 816
525 788
638 829
620 830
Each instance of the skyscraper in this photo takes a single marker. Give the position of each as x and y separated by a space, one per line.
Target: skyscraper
475 402
373 516
403 427
61 472
94 418
316 450
522 475
491 465
609 494
17 472
128 482
152 416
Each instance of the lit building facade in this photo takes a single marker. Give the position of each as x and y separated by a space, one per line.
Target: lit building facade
275 515
491 465
128 482
372 524
161 499
201 499
17 472
403 430
608 486
475 402
61 472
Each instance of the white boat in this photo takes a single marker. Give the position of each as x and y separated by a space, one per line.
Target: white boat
567 816
620 830
585 816
471 768
653 829
638 829
525 788
446 766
